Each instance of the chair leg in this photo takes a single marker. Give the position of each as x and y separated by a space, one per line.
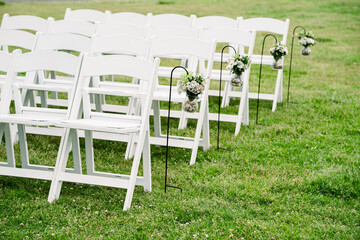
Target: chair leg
89 151
14 134
277 90
157 118
225 95
280 98
198 130
134 170
23 146
60 166
206 131
76 153
9 145
147 163
242 107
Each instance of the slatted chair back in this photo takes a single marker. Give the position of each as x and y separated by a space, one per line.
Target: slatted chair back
89 15
121 29
209 22
17 39
80 27
129 18
174 20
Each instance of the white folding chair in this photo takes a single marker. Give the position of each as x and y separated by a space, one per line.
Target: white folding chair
239 40
89 15
197 52
32 115
174 20
129 18
268 25
109 123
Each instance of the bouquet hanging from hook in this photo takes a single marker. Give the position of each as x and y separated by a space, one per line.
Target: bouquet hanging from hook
193 85
237 65
306 40
278 50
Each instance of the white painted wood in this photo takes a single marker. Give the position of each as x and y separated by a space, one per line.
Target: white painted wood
89 15
132 18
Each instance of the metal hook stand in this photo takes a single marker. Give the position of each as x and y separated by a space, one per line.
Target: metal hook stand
258 98
168 127
221 65
292 46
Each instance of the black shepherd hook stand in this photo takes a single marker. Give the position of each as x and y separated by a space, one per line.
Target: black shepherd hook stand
168 127
221 65
258 98
291 55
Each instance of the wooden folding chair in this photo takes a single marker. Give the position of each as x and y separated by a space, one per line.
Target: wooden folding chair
109 123
128 18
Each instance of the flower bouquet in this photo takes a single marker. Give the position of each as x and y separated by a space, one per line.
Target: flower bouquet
278 51
237 65
306 40
193 86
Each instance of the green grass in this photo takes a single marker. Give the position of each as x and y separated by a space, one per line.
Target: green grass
297 178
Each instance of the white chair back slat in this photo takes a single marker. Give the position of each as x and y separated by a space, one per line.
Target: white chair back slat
119 44
227 35
24 22
209 22
72 26
63 41
178 20
266 25
47 60
171 32
180 46
121 29
126 18
5 61
89 15
117 65
17 38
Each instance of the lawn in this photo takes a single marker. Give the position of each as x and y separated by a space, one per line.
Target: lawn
296 178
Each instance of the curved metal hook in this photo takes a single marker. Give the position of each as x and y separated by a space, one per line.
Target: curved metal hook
221 64
258 98
168 127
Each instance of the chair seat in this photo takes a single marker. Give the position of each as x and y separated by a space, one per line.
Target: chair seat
28 119
162 94
117 126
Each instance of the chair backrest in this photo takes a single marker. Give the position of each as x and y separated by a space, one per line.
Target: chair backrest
269 25
24 22
175 20
171 32
123 65
209 22
126 18
121 29
16 38
236 38
72 26
196 51
40 62
120 44
63 41
89 15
